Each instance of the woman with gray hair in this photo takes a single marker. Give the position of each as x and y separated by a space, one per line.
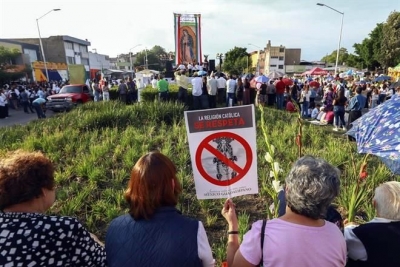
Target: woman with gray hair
300 237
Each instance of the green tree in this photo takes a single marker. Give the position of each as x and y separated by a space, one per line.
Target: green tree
236 61
153 58
369 49
331 58
7 61
389 54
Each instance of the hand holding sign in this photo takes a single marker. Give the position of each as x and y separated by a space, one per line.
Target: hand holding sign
229 213
223 151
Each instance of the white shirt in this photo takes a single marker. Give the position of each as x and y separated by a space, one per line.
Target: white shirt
182 67
212 86
197 86
2 100
7 96
189 66
230 86
221 82
347 93
198 67
154 83
203 247
306 95
355 248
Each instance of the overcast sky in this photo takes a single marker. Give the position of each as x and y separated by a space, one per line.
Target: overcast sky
115 26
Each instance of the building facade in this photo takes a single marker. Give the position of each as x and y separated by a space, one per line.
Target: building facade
275 58
29 52
97 63
67 50
123 62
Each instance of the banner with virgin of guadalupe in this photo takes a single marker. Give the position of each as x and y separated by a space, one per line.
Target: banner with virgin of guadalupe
187 39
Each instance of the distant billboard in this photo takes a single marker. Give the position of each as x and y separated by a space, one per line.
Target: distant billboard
187 38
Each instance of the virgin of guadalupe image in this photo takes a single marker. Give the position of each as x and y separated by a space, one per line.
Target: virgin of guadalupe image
187 47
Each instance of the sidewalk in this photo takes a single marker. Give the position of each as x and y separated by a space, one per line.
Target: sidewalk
19 117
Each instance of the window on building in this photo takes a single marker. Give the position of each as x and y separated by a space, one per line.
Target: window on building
280 67
281 49
281 58
85 61
83 49
71 60
274 57
68 45
272 66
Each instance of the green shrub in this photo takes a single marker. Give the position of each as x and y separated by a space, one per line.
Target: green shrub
95 146
150 94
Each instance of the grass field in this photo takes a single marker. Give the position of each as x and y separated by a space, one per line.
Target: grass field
95 147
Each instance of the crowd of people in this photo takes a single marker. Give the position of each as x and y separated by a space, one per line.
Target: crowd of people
28 97
308 232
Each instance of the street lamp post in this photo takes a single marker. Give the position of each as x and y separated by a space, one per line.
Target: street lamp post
41 44
340 35
258 58
220 56
146 62
130 56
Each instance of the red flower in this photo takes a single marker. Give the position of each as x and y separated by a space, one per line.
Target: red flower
363 172
363 176
298 140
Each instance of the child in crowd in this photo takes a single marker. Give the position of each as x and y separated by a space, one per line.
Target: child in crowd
315 111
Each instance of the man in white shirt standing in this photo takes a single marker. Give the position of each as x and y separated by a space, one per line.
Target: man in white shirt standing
181 67
221 90
230 91
197 91
198 67
190 69
212 87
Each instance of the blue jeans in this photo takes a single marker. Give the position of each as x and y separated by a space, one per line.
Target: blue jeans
228 97
339 115
96 96
39 110
279 101
304 109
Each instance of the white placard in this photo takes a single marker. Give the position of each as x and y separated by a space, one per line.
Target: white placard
222 146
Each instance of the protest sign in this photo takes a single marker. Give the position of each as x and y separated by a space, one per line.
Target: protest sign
222 145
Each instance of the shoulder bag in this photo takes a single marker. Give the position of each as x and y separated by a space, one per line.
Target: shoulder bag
264 224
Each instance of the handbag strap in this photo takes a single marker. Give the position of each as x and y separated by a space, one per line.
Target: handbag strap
264 224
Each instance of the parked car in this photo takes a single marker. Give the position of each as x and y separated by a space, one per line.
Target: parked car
69 97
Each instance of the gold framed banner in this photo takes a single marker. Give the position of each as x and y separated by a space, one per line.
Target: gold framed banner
187 38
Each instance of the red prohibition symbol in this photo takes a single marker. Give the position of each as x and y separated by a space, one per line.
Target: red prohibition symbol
205 145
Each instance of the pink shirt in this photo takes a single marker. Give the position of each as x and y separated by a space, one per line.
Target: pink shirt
288 244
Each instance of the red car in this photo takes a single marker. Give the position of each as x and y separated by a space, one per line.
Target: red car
69 97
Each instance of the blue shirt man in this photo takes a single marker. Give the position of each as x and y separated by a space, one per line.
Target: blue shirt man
357 103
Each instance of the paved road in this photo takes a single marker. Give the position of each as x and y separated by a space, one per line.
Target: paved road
19 117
